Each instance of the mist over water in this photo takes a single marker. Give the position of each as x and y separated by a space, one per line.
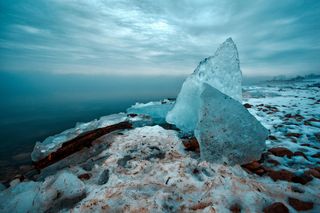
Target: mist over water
35 106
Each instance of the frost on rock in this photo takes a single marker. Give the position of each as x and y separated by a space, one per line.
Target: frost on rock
221 71
53 143
156 110
226 131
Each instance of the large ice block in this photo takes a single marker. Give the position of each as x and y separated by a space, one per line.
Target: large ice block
221 71
226 131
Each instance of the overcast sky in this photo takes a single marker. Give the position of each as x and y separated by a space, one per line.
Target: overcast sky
157 37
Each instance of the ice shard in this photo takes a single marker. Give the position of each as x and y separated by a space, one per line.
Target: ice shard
221 71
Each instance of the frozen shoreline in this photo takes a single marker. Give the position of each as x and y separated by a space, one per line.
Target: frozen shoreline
148 167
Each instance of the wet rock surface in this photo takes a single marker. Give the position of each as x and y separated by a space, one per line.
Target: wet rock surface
276 208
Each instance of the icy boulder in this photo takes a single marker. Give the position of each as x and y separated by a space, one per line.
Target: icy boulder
221 71
226 131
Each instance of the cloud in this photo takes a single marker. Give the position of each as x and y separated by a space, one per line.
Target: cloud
157 37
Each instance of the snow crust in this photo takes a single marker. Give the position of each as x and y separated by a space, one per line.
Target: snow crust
221 71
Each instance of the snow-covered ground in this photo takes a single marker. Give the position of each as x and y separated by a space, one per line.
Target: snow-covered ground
148 169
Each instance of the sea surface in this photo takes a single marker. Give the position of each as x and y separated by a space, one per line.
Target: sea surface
37 105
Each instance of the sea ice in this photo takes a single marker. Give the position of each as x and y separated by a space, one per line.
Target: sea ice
221 71
55 192
226 131
53 143
156 110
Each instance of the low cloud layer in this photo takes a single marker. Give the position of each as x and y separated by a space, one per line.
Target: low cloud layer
124 37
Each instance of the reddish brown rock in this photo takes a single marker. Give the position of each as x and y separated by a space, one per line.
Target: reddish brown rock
260 172
254 165
274 162
276 208
294 134
272 109
300 205
281 151
315 173
83 140
317 168
280 175
297 117
302 179
191 144
235 208
85 176
298 153
201 205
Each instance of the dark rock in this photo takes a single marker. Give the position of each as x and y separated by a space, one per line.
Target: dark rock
316 155
254 165
235 208
85 176
302 179
276 208
169 126
191 144
297 117
317 168
294 134
104 177
315 173
281 151
272 137
298 153
280 175
297 189
300 205
247 105
132 115
274 162
260 172
123 161
155 153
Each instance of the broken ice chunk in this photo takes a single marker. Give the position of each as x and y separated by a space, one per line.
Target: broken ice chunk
226 131
221 71
53 143
156 110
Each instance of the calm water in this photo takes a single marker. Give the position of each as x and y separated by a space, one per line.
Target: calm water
35 106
